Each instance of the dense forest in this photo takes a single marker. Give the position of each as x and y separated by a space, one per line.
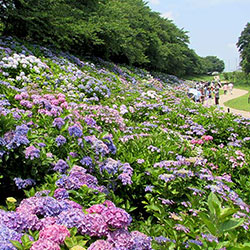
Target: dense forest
117 30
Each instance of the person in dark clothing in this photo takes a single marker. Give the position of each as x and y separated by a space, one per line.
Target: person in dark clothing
217 95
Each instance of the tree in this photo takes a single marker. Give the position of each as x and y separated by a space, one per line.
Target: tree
211 64
244 48
124 31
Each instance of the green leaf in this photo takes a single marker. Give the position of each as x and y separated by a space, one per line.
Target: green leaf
207 221
25 238
230 224
226 212
194 246
214 204
69 242
17 244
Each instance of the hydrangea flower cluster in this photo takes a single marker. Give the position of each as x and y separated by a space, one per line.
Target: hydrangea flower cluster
61 166
78 177
32 152
20 183
18 66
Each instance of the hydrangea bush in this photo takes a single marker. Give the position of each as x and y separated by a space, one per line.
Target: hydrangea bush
103 156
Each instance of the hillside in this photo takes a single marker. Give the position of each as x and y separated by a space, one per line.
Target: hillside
114 157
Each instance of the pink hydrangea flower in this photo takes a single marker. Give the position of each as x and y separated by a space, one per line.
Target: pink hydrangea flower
18 97
207 138
100 245
44 244
116 217
98 209
55 233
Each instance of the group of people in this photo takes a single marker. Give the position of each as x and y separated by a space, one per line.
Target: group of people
228 87
204 91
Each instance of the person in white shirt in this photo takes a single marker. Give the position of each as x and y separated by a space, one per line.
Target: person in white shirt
225 87
230 87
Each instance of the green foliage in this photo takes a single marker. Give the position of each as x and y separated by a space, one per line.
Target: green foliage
123 31
244 48
212 64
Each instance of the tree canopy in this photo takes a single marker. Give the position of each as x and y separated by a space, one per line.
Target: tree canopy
123 31
244 48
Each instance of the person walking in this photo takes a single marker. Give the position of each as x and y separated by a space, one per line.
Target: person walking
225 87
217 95
230 87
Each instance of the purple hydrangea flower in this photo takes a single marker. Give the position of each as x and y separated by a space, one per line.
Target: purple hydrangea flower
13 140
86 161
180 227
141 241
32 152
41 144
210 237
94 225
61 193
61 166
22 130
7 234
149 188
60 140
110 144
121 238
90 121
110 165
75 130
116 217
71 218
20 183
20 221
58 122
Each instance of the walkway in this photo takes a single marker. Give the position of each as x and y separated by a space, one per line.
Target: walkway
227 97
224 98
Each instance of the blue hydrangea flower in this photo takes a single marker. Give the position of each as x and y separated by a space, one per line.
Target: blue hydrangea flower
60 140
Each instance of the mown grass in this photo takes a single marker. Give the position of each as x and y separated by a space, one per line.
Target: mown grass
200 78
240 103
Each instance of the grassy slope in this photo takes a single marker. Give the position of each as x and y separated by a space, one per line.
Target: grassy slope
240 103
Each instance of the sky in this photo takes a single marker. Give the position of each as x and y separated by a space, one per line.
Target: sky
213 26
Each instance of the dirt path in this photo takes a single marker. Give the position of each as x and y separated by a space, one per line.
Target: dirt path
236 93
224 98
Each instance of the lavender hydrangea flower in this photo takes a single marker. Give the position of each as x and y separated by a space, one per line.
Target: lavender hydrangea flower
60 140
32 152
141 241
110 165
75 130
112 148
71 218
20 183
7 234
116 217
121 238
58 122
210 237
13 140
180 227
61 166
22 130
86 161
94 225
61 193
149 188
